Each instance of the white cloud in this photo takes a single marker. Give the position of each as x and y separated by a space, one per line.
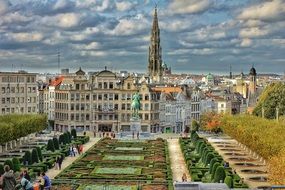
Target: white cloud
26 37
246 42
124 5
3 6
14 17
267 11
93 53
130 26
188 6
252 32
175 25
66 20
92 45
59 4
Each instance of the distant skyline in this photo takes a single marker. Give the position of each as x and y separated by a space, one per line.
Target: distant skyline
197 36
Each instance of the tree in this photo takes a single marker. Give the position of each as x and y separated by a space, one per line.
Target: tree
66 139
211 122
195 126
39 150
16 164
27 158
50 145
276 169
56 144
271 98
9 163
69 136
35 157
73 133
220 174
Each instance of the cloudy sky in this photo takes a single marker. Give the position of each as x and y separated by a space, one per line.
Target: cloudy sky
196 35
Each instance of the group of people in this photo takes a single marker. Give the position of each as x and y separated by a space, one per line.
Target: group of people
9 182
104 134
75 149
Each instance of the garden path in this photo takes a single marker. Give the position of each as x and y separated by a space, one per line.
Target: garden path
178 165
51 173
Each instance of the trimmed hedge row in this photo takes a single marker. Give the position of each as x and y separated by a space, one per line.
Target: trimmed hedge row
205 164
14 126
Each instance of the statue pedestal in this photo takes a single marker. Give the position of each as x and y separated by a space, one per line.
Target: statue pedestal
135 125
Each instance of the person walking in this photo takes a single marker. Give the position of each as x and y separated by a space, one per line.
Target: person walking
26 184
57 163
60 161
9 181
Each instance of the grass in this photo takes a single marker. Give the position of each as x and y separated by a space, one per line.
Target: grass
123 171
129 148
109 187
122 157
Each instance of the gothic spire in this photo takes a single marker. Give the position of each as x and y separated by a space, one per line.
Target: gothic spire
154 60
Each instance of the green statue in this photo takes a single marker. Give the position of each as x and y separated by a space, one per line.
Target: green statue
136 105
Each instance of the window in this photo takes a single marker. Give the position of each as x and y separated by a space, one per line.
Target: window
146 116
105 96
116 107
71 97
111 96
146 97
116 96
71 106
123 96
128 106
77 96
87 96
77 106
146 106
100 85
94 96
129 96
3 90
222 105
123 106
99 96
3 101
77 86
111 85
72 117
105 85
87 117
128 86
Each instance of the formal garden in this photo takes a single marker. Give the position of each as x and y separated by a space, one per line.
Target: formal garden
119 164
206 165
37 154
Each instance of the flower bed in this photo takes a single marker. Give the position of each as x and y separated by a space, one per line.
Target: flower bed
121 165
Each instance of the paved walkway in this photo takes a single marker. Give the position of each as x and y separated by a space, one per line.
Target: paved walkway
178 165
69 160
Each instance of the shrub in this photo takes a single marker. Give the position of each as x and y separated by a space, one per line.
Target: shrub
56 144
50 145
215 166
17 165
35 156
61 139
209 157
73 133
39 150
1 169
69 137
229 181
220 174
9 163
65 136
27 158
212 162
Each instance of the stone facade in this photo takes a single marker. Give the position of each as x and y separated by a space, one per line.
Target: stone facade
18 93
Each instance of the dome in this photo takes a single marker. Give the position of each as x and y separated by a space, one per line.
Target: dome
252 71
188 81
210 77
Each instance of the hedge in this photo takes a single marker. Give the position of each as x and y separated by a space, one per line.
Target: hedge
39 150
209 157
50 145
14 126
213 161
229 181
61 139
35 157
27 158
56 144
220 174
73 133
16 164
215 166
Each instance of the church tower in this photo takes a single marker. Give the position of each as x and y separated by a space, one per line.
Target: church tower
154 52
252 82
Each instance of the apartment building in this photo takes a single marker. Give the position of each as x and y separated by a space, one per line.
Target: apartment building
102 102
18 93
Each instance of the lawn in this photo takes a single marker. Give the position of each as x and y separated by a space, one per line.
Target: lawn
122 171
122 157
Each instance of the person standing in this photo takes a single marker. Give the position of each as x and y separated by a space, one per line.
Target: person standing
41 181
26 175
9 181
57 162
184 177
26 184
